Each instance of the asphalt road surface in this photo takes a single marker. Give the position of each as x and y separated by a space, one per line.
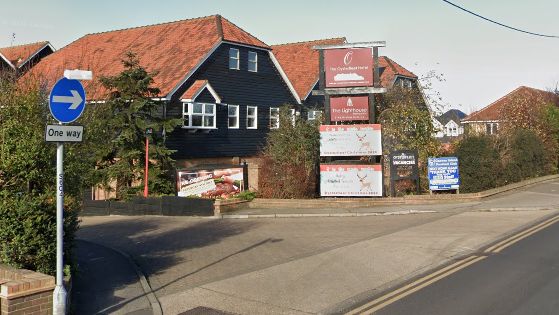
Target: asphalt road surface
521 279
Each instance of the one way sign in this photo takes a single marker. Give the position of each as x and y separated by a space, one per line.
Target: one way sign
67 100
62 133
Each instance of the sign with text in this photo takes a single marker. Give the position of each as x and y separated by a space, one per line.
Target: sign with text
210 182
350 140
443 173
63 133
350 180
349 108
350 67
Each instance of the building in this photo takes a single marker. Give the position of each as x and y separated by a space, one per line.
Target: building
449 125
488 119
19 59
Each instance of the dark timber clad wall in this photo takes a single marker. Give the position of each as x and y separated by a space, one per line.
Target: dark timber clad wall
264 89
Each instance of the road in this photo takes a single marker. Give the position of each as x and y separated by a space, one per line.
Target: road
320 265
521 279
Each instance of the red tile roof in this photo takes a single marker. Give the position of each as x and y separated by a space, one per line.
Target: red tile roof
18 55
170 50
300 63
492 112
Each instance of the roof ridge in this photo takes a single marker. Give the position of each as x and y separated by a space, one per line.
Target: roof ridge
472 115
242 29
309 41
156 24
394 62
44 42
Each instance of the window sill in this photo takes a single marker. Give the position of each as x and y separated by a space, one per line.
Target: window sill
196 129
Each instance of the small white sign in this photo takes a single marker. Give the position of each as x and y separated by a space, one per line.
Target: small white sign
63 133
78 74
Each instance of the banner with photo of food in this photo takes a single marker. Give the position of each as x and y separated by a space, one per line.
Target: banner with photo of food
210 183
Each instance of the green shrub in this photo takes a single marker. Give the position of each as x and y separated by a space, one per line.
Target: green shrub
524 156
246 195
479 163
28 232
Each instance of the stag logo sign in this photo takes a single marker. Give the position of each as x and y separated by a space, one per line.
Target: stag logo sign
350 140
349 108
350 180
351 67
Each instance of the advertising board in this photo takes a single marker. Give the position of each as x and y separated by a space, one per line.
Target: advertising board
347 108
443 173
350 140
211 182
350 67
350 180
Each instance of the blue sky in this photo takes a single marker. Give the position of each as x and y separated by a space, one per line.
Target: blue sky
480 61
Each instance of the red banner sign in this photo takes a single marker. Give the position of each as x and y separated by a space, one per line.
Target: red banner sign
349 108
348 67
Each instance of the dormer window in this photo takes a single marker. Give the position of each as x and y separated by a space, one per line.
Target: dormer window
252 61
234 59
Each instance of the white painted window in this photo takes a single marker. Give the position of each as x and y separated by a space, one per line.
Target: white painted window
252 61
233 114
252 117
234 59
274 117
314 115
198 115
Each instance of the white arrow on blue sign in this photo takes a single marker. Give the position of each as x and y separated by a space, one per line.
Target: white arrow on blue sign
67 100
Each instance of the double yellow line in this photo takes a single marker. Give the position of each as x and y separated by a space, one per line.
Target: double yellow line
423 282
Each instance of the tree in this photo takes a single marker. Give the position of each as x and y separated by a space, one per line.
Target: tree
121 122
290 159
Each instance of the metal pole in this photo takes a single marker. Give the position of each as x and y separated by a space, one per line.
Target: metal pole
59 297
146 169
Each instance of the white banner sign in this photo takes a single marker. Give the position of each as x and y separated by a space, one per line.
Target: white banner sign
350 180
350 140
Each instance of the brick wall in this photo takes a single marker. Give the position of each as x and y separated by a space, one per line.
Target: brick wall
25 292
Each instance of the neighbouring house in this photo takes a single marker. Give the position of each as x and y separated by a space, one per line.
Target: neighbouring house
300 63
225 83
448 125
21 58
488 119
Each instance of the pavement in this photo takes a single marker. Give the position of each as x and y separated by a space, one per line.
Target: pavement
309 265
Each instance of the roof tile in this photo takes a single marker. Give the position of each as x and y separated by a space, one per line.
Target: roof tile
18 55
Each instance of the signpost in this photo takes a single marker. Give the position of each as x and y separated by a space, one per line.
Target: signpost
443 174
66 104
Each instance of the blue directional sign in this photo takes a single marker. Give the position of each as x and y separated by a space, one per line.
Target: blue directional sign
443 173
67 100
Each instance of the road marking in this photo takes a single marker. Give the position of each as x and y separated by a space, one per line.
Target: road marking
518 239
513 239
406 290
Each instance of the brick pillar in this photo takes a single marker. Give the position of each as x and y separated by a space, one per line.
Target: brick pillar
25 292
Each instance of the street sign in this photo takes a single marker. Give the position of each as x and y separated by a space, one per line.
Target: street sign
63 133
67 100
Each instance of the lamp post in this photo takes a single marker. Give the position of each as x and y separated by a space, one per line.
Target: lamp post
149 131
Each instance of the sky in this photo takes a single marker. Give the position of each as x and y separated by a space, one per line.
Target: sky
478 61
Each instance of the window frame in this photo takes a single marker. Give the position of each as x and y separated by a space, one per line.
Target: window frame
237 107
255 61
315 116
189 112
255 116
237 59
276 117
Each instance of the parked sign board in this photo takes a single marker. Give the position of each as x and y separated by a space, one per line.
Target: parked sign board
210 182
347 108
350 67
350 140
443 173
350 180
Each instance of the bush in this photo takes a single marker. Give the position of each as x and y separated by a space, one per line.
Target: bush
479 163
524 156
289 163
28 232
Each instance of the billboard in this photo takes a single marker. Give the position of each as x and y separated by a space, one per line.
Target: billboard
347 108
350 67
350 140
443 173
210 182
350 180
